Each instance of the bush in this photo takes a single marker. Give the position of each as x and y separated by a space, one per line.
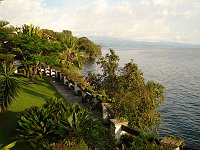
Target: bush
36 126
145 141
57 124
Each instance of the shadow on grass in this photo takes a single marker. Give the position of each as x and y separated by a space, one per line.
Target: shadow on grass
45 83
37 80
34 93
42 82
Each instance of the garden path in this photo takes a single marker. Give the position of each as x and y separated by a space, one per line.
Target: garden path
70 97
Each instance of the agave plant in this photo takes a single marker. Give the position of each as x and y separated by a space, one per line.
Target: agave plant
68 131
57 124
9 86
38 125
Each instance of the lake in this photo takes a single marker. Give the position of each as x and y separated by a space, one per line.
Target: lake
179 71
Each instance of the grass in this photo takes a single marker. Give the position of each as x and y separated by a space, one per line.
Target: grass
30 95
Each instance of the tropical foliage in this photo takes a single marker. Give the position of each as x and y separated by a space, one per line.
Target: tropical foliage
8 147
36 48
132 98
145 141
9 86
57 124
6 41
89 47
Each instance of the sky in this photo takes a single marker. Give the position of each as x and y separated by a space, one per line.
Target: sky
146 20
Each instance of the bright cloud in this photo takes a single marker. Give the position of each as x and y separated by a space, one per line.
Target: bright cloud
162 20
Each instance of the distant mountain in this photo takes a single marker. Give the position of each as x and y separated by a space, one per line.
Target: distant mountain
110 42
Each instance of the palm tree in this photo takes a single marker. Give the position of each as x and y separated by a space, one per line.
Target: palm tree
71 55
9 86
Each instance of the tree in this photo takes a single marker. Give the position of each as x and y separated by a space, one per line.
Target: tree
6 41
71 54
89 47
36 49
30 44
109 65
134 99
9 86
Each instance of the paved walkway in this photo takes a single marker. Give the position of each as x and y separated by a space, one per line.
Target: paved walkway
69 95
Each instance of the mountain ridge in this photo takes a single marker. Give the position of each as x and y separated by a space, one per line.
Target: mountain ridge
112 42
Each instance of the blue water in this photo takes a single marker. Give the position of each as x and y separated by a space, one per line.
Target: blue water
179 72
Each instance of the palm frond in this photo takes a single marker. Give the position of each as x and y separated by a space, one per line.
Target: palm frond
9 86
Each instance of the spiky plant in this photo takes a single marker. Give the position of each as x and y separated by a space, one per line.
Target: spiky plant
8 147
9 86
58 125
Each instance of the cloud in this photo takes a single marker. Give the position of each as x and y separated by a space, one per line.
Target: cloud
137 20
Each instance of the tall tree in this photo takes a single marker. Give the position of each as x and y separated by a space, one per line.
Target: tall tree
133 98
36 47
71 54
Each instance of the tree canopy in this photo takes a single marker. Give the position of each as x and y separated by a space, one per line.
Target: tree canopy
36 48
132 98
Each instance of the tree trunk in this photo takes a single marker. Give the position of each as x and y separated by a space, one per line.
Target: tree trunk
26 71
30 75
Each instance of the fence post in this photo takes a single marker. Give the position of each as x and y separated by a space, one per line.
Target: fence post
57 72
76 88
116 128
65 80
61 76
53 72
105 112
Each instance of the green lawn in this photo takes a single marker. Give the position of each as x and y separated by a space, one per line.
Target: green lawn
30 95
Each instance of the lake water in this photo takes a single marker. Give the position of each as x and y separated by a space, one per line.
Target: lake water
179 72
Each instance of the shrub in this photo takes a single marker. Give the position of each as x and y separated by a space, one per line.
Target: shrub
57 124
36 126
145 141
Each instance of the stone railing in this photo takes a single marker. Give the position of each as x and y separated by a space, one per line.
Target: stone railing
117 127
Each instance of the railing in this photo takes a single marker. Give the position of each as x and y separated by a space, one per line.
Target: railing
117 127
